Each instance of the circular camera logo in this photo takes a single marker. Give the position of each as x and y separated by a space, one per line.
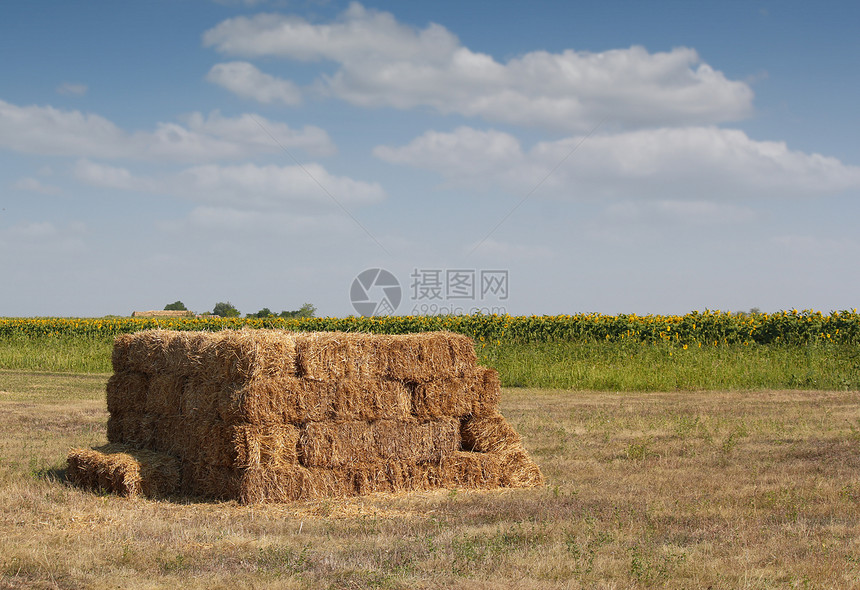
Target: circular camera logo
375 291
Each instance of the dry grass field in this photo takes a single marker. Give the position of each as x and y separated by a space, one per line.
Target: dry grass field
744 489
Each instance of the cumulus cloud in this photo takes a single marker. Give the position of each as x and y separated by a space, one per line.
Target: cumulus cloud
273 187
113 177
46 130
248 187
245 80
381 62
669 164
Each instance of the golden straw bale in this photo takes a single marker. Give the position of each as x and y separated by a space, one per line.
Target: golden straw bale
276 400
476 394
519 470
270 445
240 355
200 398
328 444
164 395
124 471
487 392
126 392
256 484
470 470
363 399
334 444
291 400
429 355
228 355
442 397
324 356
411 442
488 434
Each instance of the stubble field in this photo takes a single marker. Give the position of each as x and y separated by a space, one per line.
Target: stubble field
688 489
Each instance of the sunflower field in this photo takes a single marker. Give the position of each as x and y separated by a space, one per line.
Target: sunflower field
695 329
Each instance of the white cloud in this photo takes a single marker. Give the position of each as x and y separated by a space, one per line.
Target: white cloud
47 130
257 222
246 187
250 186
36 186
245 80
382 62
71 88
667 164
112 177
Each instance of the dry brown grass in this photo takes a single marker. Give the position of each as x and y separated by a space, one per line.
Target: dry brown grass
680 490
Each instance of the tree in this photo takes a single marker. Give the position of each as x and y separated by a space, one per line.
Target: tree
225 310
263 313
305 311
175 306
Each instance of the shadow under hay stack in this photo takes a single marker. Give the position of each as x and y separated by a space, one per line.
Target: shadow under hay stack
265 415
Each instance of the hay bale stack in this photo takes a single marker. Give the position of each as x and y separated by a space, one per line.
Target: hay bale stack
124 471
266 415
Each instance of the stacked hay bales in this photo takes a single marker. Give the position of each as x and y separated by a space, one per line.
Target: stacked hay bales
262 415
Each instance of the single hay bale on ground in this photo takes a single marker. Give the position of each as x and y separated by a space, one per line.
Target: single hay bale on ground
124 471
489 434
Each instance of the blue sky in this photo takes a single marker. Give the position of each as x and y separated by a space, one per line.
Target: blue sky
620 157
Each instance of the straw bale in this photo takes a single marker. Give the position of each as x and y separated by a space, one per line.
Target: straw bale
124 471
164 395
519 470
323 356
171 434
334 444
133 430
476 394
271 445
228 355
291 400
283 399
239 355
126 392
426 356
200 398
488 434
362 399
144 352
470 470
256 484
120 353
